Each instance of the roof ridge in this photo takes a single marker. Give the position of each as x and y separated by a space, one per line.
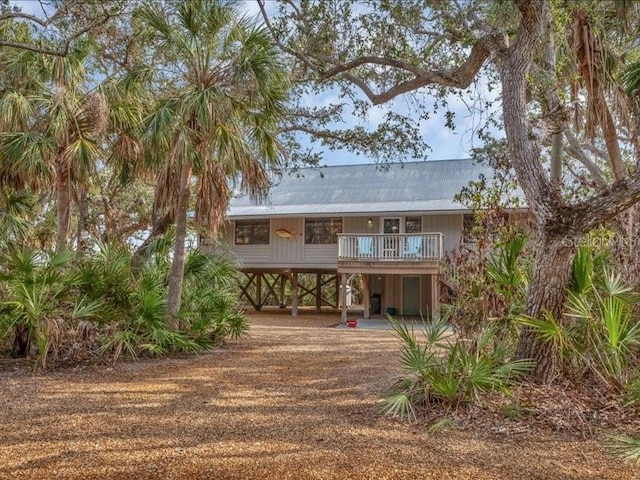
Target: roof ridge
438 160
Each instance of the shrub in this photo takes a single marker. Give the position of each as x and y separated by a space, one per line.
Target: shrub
447 373
101 306
210 305
600 334
41 306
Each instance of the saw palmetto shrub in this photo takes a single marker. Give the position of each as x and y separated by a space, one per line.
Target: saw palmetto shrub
62 310
442 371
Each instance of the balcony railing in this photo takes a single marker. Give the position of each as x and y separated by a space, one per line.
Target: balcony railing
406 247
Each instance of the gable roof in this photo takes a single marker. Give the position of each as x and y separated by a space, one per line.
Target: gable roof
427 186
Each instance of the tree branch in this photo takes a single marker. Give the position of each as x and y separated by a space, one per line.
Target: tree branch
574 149
458 77
64 49
24 16
34 48
524 150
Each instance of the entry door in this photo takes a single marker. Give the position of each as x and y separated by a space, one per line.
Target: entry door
411 295
391 243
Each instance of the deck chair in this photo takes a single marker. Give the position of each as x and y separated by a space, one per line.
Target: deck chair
413 246
365 247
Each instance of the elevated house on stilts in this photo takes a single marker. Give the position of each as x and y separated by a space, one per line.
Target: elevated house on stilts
390 224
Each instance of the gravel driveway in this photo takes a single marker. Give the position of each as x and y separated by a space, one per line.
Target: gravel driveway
282 403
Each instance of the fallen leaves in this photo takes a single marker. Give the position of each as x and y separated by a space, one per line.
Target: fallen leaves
283 403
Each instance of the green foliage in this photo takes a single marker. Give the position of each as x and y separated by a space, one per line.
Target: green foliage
491 284
102 307
210 301
604 332
624 446
38 299
600 333
440 371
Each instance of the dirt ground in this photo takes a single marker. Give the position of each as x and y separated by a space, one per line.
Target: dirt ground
282 403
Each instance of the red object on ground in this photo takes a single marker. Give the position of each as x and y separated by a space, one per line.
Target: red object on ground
352 323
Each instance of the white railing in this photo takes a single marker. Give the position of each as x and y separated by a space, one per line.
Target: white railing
406 247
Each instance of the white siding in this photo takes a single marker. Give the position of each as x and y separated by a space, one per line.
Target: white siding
321 254
286 250
251 254
449 225
293 253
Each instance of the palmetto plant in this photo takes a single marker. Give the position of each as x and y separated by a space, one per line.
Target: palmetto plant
143 330
210 300
601 333
509 276
133 304
624 446
228 88
16 211
451 372
132 320
40 301
604 330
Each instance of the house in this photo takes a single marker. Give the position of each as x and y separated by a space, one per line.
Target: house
392 225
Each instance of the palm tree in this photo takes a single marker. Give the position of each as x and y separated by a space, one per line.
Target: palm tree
218 121
52 125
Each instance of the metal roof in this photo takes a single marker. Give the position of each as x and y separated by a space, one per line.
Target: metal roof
427 186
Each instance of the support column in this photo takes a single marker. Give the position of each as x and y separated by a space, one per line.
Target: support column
283 284
318 292
365 293
337 290
259 291
343 296
435 296
294 294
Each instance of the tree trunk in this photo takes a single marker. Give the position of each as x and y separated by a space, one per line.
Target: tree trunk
83 213
556 159
159 228
547 294
62 202
177 265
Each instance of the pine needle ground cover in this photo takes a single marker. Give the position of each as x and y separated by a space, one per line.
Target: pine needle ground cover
281 403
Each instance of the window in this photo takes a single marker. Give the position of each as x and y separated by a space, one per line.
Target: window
413 225
322 231
252 232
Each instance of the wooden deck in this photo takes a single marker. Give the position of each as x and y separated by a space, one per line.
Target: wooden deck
390 253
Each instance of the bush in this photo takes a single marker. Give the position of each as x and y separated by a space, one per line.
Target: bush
600 335
102 307
41 304
490 285
448 373
210 305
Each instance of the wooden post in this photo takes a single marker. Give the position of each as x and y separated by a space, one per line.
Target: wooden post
294 294
435 297
283 284
259 292
343 295
337 290
365 292
318 292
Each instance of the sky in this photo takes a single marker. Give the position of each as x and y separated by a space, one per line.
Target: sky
445 143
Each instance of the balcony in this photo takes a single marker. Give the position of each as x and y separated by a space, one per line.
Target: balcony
389 252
